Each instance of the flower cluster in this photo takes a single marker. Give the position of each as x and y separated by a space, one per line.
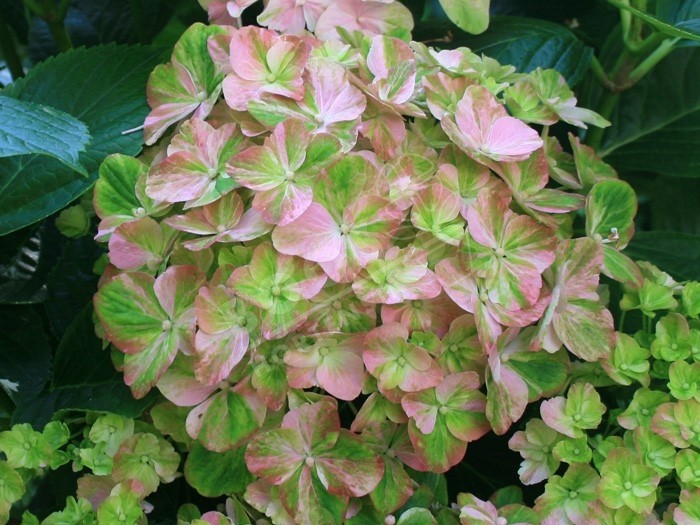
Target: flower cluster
647 451
348 220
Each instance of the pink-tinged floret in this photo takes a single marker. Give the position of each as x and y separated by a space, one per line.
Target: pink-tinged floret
264 62
482 128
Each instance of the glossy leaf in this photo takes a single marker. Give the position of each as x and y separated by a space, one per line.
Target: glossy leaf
655 124
676 253
111 102
29 128
528 44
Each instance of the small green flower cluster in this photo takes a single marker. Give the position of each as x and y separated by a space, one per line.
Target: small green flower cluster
124 461
641 460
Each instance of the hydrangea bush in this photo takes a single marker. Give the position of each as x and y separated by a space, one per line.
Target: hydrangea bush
344 257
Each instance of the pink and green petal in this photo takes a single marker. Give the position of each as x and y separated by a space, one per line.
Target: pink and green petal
436 210
482 128
224 421
507 396
179 385
314 235
139 244
129 311
392 63
119 194
371 18
264 62
397 363
188 84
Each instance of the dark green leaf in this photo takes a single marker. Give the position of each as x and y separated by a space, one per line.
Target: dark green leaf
107 397
684 15
214 474
105 87
675 205
78 346
527 43
446 516
25 354
83 379
435 482
71 283
94 22
656 124
28 128
675 253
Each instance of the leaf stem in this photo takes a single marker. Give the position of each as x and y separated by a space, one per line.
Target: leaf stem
352 407
60 35
652 60
62 10
601 75
626 72
32 5
622 321
54 17
626 23
648 45
9 51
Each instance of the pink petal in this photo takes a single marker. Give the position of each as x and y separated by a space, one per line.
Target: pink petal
336 99
553 412
181 388
314 235
511 139
136 244
459 286
342 375
217 354
237 92
180 177
249 47
251 226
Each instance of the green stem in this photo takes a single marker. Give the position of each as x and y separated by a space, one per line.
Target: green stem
139 24
626 23
54 16
60 35
352 407
622 320
600 74
63 10
652 60
649 44
9 51
37 8
626 72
